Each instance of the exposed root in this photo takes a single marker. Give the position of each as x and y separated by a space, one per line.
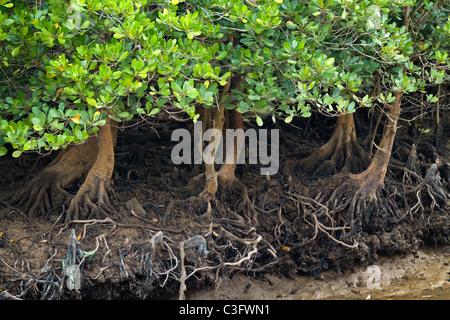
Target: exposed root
338 158
317 212
42 194
244 206
342 153
434 189
430 186
91 201
345 207
192 186
46 191
211 186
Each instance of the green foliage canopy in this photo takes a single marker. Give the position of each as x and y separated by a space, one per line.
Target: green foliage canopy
67 67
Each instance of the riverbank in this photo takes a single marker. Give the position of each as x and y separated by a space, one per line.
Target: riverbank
424 275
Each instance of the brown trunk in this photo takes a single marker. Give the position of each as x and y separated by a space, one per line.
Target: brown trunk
213 119
46 190
357 195
225 176
362 188
341 153
226 172
93 193
373 176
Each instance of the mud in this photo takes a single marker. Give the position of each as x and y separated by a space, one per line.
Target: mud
145 249
421 276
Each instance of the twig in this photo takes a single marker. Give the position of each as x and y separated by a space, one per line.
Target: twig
1 259
14 209
4 295
230 264
183 277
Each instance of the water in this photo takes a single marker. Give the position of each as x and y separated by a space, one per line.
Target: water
421 276
424 277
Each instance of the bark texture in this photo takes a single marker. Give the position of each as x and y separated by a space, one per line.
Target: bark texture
342 153
93 160
92 198
46 190
361 191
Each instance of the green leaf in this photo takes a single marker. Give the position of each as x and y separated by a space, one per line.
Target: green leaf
329 62
85 24
288 119
154 111
431 98
291 25
351 107
91 101
16 153
7 22
37 121
15 51
259 121
175 87
192 93
3 151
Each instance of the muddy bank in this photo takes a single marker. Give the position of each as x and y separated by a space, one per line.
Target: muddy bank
424 275
28 254
163 241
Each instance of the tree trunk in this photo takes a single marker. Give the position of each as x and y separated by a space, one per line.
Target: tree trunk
377 169
46 190
341 153
226 172
213 119
93 159
92 197
226 175
361 190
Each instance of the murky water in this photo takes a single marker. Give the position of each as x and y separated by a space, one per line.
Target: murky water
431 287
423 276
409 292
405 290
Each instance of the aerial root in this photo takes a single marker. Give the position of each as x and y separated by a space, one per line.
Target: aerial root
245 205
91 201
158 261
342 152
317 211
430 185
340 158
40 195
343 208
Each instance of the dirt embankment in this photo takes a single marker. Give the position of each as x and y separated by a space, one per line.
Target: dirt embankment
161 238
421 276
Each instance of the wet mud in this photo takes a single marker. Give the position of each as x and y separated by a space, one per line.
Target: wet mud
163 241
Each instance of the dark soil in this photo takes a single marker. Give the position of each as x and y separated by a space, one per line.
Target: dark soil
163 241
